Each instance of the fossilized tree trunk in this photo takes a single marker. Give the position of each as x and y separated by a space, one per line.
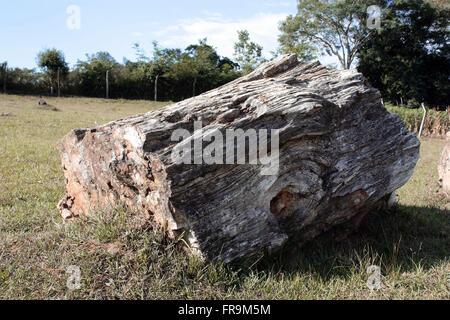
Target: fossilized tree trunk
340 154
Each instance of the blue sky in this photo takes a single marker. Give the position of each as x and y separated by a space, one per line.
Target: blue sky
28 26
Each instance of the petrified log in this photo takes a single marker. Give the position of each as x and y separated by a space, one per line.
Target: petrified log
328 154
444 167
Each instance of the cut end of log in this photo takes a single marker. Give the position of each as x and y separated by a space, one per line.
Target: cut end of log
311 148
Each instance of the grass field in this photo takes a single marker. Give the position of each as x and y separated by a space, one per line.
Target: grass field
124 257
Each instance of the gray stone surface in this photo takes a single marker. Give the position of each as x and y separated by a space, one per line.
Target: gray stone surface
342 154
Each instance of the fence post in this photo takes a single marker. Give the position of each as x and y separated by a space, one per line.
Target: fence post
5 70
156 87
423 119
59 86
194 84
107 84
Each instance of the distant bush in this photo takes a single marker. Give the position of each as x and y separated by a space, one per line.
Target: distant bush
436 123
170 75
27 81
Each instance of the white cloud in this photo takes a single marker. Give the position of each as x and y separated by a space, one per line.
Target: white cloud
137 34
222 33
212 15
279 4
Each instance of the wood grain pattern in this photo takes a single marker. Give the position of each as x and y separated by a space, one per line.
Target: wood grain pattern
341 154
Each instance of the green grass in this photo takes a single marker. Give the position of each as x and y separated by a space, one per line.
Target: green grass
122 256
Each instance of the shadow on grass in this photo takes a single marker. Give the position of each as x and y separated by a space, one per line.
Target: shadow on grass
47 107
401 239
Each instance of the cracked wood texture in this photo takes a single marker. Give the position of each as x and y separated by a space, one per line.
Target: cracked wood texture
341 154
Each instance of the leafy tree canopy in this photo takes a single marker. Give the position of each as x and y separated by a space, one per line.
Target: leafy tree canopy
52 60
248 54
332 27
408 59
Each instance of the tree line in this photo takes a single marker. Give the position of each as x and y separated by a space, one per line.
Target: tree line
401 46
169 74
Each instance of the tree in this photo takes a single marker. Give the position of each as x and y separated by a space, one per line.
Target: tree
4 73
92 72
188 72
140 53
195 63
289 43
443 4
162 63
248 54
169 74
201 64
53 63
408 59
333 27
